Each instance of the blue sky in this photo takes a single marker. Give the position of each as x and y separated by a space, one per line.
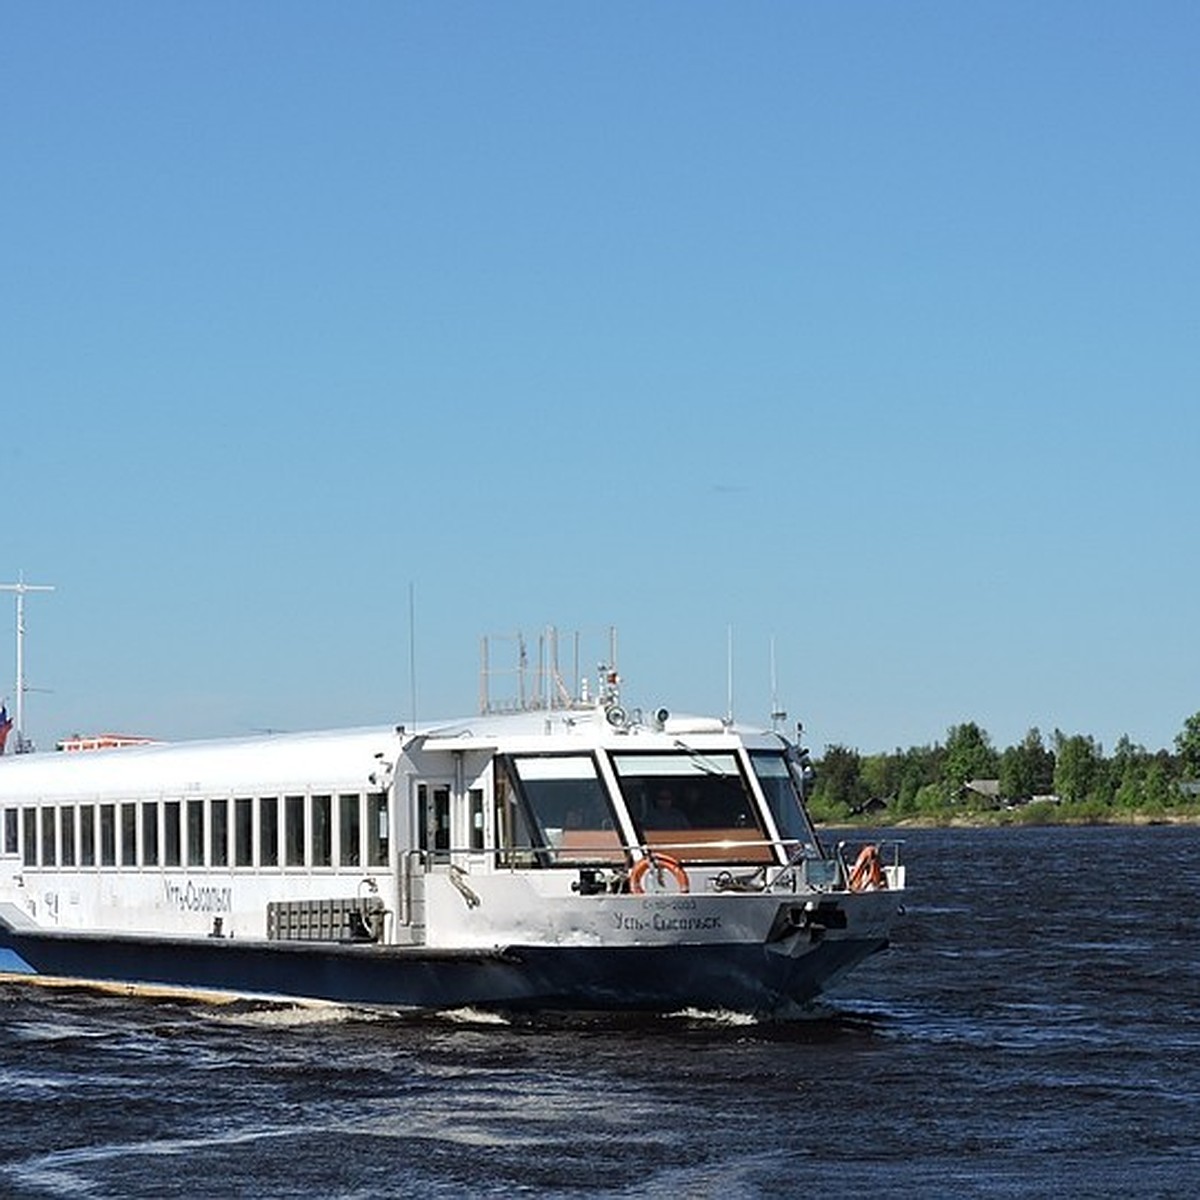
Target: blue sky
865 330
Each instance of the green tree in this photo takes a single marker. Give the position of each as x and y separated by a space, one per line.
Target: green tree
931 798
880 775
1187 746
920 767
1028 769
1079 772
1159 787
969 755
839 786
1128 795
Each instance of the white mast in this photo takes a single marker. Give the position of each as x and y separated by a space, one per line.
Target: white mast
21 588
729 675
777 714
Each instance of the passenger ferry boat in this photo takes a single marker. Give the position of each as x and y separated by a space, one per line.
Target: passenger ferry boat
577 858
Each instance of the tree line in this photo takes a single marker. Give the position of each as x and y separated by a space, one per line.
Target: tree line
1065 777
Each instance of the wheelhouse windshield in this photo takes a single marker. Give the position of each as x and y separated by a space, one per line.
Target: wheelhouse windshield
779 786
561 811
693 805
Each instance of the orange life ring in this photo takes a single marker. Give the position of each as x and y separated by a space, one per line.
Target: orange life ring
659 863
867 873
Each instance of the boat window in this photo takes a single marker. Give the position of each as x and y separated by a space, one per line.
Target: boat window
695 805
349 851
514 842
779 787
66 835
108 834
129 835
243 832
172 840
150 833
87 836
11 840
567 808
294 831
48 839
475 815
195 833
322 831
29 828
268 831
219 833
377 829
433 819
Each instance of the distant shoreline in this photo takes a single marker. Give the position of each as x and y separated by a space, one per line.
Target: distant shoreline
980 821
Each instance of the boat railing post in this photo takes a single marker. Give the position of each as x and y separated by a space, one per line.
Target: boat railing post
406 886
839 853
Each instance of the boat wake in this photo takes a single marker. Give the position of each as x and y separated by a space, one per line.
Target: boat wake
285 1015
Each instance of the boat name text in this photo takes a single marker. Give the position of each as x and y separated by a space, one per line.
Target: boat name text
202 898
664 923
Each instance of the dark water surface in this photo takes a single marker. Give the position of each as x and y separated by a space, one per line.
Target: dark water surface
1034 1031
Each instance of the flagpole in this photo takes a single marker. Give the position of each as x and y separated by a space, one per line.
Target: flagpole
21 588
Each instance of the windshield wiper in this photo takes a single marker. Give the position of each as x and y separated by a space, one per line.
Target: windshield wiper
704 763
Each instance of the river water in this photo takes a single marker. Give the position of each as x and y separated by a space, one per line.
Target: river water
1034 1031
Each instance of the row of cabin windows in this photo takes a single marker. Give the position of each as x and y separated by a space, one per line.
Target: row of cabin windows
346 830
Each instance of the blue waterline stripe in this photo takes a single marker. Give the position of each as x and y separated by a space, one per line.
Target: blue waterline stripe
12 962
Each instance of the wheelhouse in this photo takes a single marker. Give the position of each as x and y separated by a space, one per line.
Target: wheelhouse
721 800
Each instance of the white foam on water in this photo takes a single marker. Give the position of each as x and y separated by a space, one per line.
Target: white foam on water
288 1015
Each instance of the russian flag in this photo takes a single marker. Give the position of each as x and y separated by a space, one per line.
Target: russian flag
5 725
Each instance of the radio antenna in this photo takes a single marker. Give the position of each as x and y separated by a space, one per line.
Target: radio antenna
729 675
22 588
778 714
412 655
